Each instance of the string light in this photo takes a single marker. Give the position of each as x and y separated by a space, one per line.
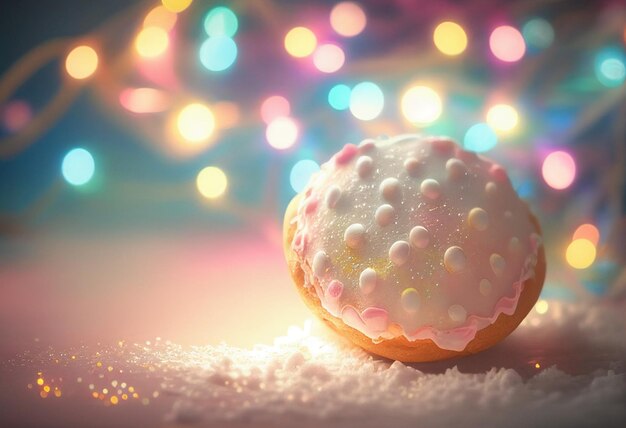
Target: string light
152 42
282 133
339 97
329 58
580 254
81 62
301 174
78 167
366 101
221 21
176 5
507 44
211 183
348 19
218 53
421 105
502 117
450 38
480 138
273 107
196 123
559 170
300 42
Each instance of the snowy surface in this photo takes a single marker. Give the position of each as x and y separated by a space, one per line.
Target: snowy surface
309 378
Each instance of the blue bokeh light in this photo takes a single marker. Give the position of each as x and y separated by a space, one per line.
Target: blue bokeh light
480 138
339 97
78 167
301 174
218 53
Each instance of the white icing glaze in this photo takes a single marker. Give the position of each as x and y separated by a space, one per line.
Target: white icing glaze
455 295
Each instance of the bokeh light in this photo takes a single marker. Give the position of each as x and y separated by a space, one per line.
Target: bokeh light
580 254
211 182
152 42
273 107
144 100
81 62
16 115
339 97
502 117
610 67
227 114
348 19
282 133
301 173
78 167
541 306
195 123
218 53
480 138
329 58
160 17
559 170
176 5
538 33
587 231
450 38
507 44
221 21
300 42
366 101
421 105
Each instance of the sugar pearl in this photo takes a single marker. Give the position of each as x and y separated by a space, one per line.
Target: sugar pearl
384 215
333 194
457 313
390 189
412 166
399 252
364 166
430 188
354 235
456 169
410 299
320 263
478 218
497 263
419 237
367 280
491 189
454 259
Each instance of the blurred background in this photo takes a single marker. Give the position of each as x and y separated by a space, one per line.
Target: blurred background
148 149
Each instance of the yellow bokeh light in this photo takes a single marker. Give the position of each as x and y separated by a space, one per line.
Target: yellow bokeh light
450 38
161 17
176 5
541 306
40 381
114 400
81 62
300 42
581 253
502 117
421 105
348 19
195 122
151 42
211 182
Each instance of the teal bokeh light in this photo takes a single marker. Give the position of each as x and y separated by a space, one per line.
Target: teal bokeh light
610 67
339 97
301 174
538 33
480 138
218 53
221 21
78 167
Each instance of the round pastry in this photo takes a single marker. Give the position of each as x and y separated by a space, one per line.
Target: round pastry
414 249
